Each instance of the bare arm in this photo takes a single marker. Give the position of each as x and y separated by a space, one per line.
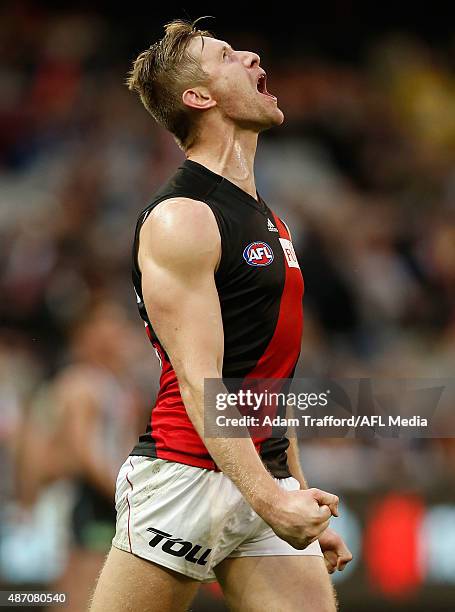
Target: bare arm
179 250
294 462
336 553
183 305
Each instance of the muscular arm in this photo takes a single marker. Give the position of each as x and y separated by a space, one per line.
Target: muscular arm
293 452
336 553
183 306
179 250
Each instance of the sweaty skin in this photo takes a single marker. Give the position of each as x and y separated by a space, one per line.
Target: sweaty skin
234 111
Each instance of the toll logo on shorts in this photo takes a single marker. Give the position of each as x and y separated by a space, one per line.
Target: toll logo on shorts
258 254
194 553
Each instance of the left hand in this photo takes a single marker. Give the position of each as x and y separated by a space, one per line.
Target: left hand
336 554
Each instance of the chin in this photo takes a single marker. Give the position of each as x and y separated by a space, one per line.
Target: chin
274 119
280 116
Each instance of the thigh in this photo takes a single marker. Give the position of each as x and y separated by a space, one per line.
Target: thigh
276 584
128 583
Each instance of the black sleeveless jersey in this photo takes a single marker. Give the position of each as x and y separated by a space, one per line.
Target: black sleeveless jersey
260 288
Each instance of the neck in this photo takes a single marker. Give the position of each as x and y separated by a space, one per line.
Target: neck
229 152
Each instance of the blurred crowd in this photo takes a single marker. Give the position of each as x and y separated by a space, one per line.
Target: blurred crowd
364 173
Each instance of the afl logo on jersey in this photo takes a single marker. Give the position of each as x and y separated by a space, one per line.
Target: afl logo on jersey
258 254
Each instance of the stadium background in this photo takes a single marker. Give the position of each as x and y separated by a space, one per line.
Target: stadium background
364 172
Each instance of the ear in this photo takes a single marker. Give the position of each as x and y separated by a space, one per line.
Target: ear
198 98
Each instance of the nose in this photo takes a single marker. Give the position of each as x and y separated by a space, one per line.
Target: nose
251 59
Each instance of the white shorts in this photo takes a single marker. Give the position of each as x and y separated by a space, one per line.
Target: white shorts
189 519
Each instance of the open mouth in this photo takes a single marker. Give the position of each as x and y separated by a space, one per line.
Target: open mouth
262 86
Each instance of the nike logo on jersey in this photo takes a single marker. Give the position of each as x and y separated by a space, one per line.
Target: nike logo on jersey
271 227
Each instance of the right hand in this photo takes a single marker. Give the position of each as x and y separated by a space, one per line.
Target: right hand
299 517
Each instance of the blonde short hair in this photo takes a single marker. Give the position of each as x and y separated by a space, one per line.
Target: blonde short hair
161 73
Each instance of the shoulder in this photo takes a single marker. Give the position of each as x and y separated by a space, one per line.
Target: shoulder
180 229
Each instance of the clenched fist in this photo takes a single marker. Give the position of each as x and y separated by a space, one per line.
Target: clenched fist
299 517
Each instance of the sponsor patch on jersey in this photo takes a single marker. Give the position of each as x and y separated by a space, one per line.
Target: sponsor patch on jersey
258 254
289 253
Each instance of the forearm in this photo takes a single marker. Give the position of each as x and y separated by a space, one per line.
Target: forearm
238 459
235 457
294 462
293 453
